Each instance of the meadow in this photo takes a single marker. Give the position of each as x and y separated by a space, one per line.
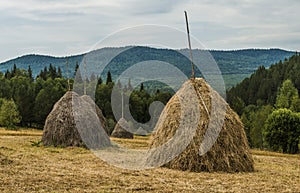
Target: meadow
26 166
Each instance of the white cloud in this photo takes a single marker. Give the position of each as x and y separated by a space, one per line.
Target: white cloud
63 27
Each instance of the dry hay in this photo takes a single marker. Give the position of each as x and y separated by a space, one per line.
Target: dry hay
120 132
98 111
74 122
4 160
230 152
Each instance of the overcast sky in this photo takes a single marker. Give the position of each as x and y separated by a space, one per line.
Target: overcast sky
68 27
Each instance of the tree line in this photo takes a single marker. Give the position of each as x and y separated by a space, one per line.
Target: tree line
26 101
269 105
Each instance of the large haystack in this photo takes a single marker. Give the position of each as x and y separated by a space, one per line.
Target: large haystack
98 111
121 130
229 153
74 122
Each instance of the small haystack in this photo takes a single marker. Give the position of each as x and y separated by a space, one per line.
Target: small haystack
121 130
74 122
98 112
229 153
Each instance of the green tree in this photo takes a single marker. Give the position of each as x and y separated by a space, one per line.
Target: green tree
78 77
108 77
282 131
9 114
238 105
258 120
24 95
51 92
287 96
30 73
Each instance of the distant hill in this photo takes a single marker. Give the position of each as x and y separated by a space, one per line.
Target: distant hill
235 65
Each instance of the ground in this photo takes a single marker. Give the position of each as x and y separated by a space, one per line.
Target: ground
27 167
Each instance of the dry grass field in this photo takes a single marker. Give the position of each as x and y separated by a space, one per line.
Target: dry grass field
28 168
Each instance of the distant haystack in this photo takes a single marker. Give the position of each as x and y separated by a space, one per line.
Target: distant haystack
120 132
74 122
98 111
230 152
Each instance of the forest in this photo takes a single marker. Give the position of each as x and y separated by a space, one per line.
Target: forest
269 105
25 101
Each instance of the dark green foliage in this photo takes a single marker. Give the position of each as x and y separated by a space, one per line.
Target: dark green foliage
44 101
30 76
59 73
34 98
264 84
288 96
108 78
282 131
9 115
23 93
77 74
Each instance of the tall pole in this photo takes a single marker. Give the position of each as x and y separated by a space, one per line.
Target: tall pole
190 46
67 66
122 105
85 77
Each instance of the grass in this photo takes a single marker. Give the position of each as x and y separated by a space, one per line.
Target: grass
27 168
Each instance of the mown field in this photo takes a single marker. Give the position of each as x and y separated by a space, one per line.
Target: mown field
28 168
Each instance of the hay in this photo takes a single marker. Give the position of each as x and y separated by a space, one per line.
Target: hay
98 112
230 152
120 132
74 122
4 160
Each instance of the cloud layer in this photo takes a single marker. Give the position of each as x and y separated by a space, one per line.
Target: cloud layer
64 27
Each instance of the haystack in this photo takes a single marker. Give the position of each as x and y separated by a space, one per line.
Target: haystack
229 153
98 112
121 130
74 122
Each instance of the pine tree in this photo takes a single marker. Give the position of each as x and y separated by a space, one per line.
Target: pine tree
14 71
129 86
77 74
142 87
59 73
99 81
30 73
108 78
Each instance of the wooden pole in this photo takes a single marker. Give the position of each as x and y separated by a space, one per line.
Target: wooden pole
122 105
67 66
85 77
190 46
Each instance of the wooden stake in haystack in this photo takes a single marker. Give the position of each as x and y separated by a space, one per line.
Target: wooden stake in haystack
191 58
122 127
190 46
67 66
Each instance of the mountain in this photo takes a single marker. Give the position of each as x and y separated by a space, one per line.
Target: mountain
235 65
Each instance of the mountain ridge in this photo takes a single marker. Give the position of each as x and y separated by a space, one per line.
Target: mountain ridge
235 65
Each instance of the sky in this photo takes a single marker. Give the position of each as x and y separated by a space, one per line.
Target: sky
69 27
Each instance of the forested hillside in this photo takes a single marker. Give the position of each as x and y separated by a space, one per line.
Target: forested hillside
262 86
269 105
234 65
